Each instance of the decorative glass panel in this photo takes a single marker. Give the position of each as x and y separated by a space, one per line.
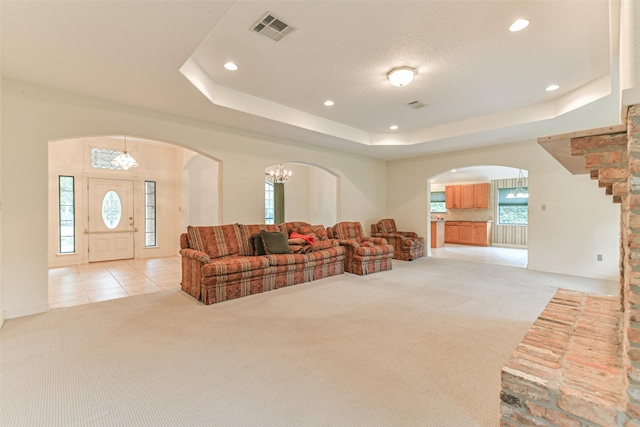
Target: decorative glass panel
66 210
111 209
101 159
150 213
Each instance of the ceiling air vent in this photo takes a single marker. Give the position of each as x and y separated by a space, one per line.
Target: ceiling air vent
272 27
415 104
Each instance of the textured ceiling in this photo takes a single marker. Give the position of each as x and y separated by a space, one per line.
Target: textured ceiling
481 84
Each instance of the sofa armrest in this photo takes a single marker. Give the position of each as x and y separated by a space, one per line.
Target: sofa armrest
197 255
376 240
349 243
409 234
388 236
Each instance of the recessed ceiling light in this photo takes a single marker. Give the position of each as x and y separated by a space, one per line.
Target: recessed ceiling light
393 127
552 87
328 103
453 170
520 24
230 66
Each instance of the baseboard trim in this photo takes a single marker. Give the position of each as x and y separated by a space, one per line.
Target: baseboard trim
26 311
587 274
506 245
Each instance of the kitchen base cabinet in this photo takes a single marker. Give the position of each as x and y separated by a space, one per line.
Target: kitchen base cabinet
476 233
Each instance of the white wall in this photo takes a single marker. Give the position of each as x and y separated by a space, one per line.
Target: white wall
579 222
200 190
311 195
32 116
157 163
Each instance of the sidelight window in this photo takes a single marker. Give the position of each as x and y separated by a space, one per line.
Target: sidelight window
150 214
67 219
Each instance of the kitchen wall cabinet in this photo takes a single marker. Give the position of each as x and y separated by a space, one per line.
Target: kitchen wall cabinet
477 233
452 197
467 196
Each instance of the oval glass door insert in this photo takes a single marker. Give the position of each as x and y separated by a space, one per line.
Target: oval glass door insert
111 209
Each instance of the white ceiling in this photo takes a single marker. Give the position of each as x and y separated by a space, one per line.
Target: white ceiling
481 84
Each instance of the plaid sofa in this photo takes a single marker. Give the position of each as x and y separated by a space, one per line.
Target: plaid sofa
407 246
363 254
218 262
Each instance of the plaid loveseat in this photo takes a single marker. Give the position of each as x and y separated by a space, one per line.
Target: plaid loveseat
407 246
218 262
363 254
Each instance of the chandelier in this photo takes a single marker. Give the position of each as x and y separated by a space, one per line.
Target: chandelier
124 160
280 175
519 192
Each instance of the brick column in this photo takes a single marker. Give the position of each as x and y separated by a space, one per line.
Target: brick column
630 262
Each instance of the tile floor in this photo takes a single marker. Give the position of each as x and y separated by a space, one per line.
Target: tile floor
100 281
512 257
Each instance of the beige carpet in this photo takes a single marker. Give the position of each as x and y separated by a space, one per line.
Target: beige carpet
421 345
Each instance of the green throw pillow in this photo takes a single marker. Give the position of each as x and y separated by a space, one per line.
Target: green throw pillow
275 242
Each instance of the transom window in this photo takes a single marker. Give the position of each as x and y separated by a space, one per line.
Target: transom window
101 159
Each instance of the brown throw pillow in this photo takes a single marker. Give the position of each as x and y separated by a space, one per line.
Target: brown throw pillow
275 242
256 242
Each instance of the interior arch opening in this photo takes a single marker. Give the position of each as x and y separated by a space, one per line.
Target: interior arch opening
92 257
480 214
311 195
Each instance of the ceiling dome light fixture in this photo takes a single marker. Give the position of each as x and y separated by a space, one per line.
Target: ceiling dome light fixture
328 103
520 24
230 66
552 88
401 76
393 127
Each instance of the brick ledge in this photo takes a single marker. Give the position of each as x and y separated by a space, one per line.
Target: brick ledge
568 369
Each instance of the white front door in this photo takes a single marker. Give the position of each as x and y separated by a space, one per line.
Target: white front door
111 224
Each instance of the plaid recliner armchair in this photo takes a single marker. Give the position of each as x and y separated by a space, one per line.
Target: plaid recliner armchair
407 246
363 255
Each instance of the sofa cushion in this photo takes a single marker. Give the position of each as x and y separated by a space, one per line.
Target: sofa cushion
321 244
234 264
387 226
275 242
216 241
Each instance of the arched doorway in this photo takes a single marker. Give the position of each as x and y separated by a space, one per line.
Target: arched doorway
457 228
312 194
97 210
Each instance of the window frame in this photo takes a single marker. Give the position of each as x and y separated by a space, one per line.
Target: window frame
72 226
269 203
502 201
439 198
153 206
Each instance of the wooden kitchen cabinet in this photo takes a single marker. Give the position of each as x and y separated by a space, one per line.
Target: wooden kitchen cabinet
467 196
452 195
465 236
481 196
451 231
476 233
